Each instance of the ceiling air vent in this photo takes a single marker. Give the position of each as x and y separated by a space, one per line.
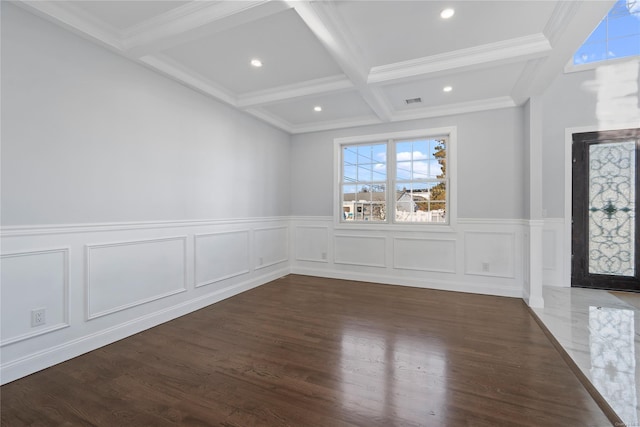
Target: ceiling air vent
413 101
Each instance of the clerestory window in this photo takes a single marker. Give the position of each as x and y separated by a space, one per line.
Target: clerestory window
617 35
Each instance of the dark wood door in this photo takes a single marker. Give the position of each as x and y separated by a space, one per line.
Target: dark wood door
605 231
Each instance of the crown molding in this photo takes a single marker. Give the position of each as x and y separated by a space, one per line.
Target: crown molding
76 20
517 49
336 124
320 86
171 68
192 21
453 109
562 14
274 121
521 90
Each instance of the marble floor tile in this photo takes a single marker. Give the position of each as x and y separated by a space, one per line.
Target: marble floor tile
601 333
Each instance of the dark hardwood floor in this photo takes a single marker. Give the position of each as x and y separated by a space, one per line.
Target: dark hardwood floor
303 351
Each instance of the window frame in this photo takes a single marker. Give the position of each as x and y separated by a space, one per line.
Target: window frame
390 138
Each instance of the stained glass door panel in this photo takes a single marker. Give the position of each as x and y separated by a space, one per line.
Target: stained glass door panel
605 223
612 235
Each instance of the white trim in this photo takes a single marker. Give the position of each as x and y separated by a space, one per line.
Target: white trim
50 356
336 124
323 86
65 293
311 218
517 49
87 282
492 221
40 230
454 109
560 18
171 68
325 22
68 16
183 19
445 285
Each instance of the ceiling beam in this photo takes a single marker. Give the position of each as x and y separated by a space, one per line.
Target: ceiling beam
188 77
333 34
498 53
320 86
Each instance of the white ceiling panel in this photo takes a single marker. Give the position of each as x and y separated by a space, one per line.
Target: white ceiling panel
338 106
394 31
466 86
359 60
125 14
289 51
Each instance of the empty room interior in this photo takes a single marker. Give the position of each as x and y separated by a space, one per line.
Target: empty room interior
320 213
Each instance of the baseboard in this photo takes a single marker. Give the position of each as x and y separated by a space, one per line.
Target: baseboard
51 356
448 285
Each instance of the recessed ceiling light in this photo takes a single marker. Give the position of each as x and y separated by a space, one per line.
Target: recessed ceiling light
255 62
447 13
447 89
317 108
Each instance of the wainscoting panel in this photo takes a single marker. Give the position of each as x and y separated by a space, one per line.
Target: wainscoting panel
31 281
490 254
103 282
144 271
271 246
312 243
437 255
220 256
475 255
367 251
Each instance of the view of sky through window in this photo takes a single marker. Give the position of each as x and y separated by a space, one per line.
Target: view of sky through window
617 35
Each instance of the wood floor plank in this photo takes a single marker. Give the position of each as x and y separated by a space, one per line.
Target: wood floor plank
304 351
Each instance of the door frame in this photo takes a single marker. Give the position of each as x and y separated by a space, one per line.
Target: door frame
568 187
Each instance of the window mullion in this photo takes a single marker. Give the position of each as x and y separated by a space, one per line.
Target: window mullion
391 181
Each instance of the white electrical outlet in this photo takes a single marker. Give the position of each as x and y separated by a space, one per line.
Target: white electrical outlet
324 255
485 266
38 317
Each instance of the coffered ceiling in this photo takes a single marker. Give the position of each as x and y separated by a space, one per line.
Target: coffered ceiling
360 61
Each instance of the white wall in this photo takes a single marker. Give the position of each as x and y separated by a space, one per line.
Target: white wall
163 201
91 137
482 253
490 161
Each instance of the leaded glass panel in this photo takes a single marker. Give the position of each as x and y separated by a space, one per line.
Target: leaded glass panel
612 211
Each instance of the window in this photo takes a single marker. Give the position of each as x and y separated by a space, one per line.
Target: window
617 35
395 178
